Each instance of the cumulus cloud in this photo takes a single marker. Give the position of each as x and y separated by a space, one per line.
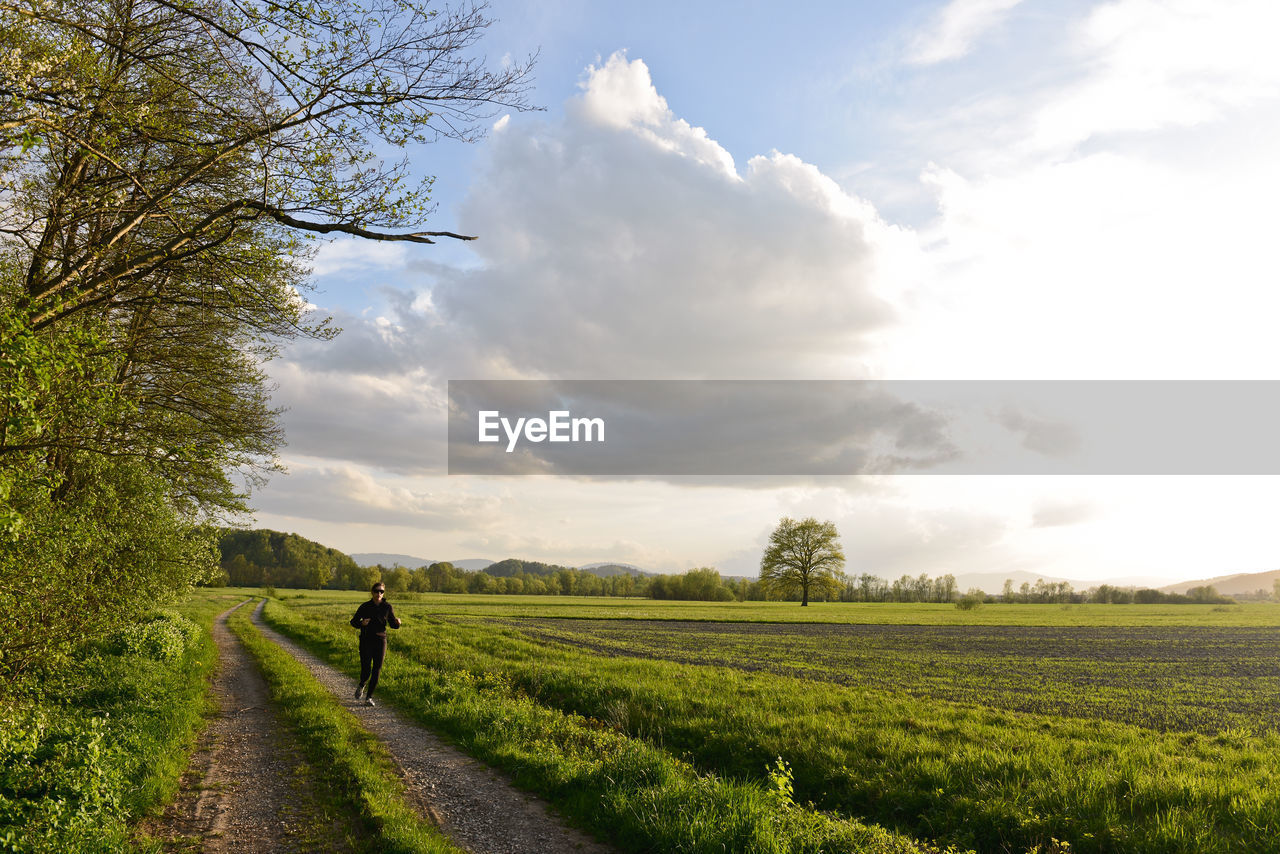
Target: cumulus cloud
956 29
621 242
617 242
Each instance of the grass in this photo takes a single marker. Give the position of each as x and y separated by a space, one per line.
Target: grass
1205 679
354 763
975 773
89 750
627 790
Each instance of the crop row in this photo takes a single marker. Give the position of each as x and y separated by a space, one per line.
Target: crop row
1205 679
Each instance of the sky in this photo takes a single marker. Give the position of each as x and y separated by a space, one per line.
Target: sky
964 190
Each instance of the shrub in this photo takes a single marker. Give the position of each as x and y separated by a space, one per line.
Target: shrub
58 789
165 636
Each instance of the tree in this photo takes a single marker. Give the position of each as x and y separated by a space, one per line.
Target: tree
174 127
163 166
945 588
803 555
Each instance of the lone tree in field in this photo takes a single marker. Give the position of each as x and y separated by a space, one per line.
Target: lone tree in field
801 555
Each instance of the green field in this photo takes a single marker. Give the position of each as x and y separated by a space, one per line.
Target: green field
1008 728
1261 614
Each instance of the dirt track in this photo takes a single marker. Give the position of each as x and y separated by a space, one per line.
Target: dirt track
476 806
243 791
247 789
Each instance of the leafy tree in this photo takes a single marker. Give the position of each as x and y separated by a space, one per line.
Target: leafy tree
162 167
703 585
440 574
1206 594
802 556
396 579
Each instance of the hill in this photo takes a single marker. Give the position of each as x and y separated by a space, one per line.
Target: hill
1231 585
411 562
261 556
606 570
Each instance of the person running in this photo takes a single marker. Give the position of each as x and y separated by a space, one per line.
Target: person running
373 618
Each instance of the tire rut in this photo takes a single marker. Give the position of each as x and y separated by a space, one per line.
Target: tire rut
476 806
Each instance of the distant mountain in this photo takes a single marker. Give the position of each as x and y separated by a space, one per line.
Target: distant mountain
472 564
374 558
605 570
411 562
1227 585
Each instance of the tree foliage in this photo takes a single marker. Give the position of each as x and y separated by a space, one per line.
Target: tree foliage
803 557
163 165
252 558
702 585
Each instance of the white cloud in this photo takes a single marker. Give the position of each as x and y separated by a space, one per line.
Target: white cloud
345 254
621 242
620 94
956 28
1104 266
1166 63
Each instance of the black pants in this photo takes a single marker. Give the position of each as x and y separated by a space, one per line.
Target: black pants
372 650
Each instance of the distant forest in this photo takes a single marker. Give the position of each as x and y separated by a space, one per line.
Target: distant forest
256 558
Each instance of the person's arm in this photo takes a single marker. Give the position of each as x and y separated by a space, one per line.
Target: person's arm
355 621
392 622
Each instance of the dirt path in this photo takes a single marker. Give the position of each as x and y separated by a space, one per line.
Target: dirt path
479 809
247 788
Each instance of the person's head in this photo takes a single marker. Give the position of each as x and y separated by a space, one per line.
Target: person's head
379 590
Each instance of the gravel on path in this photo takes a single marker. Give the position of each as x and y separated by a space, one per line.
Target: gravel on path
242 791
476 806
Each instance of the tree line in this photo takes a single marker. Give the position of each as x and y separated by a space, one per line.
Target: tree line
252 558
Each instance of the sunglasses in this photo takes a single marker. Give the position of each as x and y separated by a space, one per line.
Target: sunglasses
379 590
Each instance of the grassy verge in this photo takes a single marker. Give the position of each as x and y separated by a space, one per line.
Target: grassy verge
87 750
355 763
624 789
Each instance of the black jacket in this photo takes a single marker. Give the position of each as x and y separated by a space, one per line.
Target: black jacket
380 616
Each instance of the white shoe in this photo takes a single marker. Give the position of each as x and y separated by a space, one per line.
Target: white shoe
368 701
357 693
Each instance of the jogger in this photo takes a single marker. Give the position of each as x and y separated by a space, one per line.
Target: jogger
373 618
